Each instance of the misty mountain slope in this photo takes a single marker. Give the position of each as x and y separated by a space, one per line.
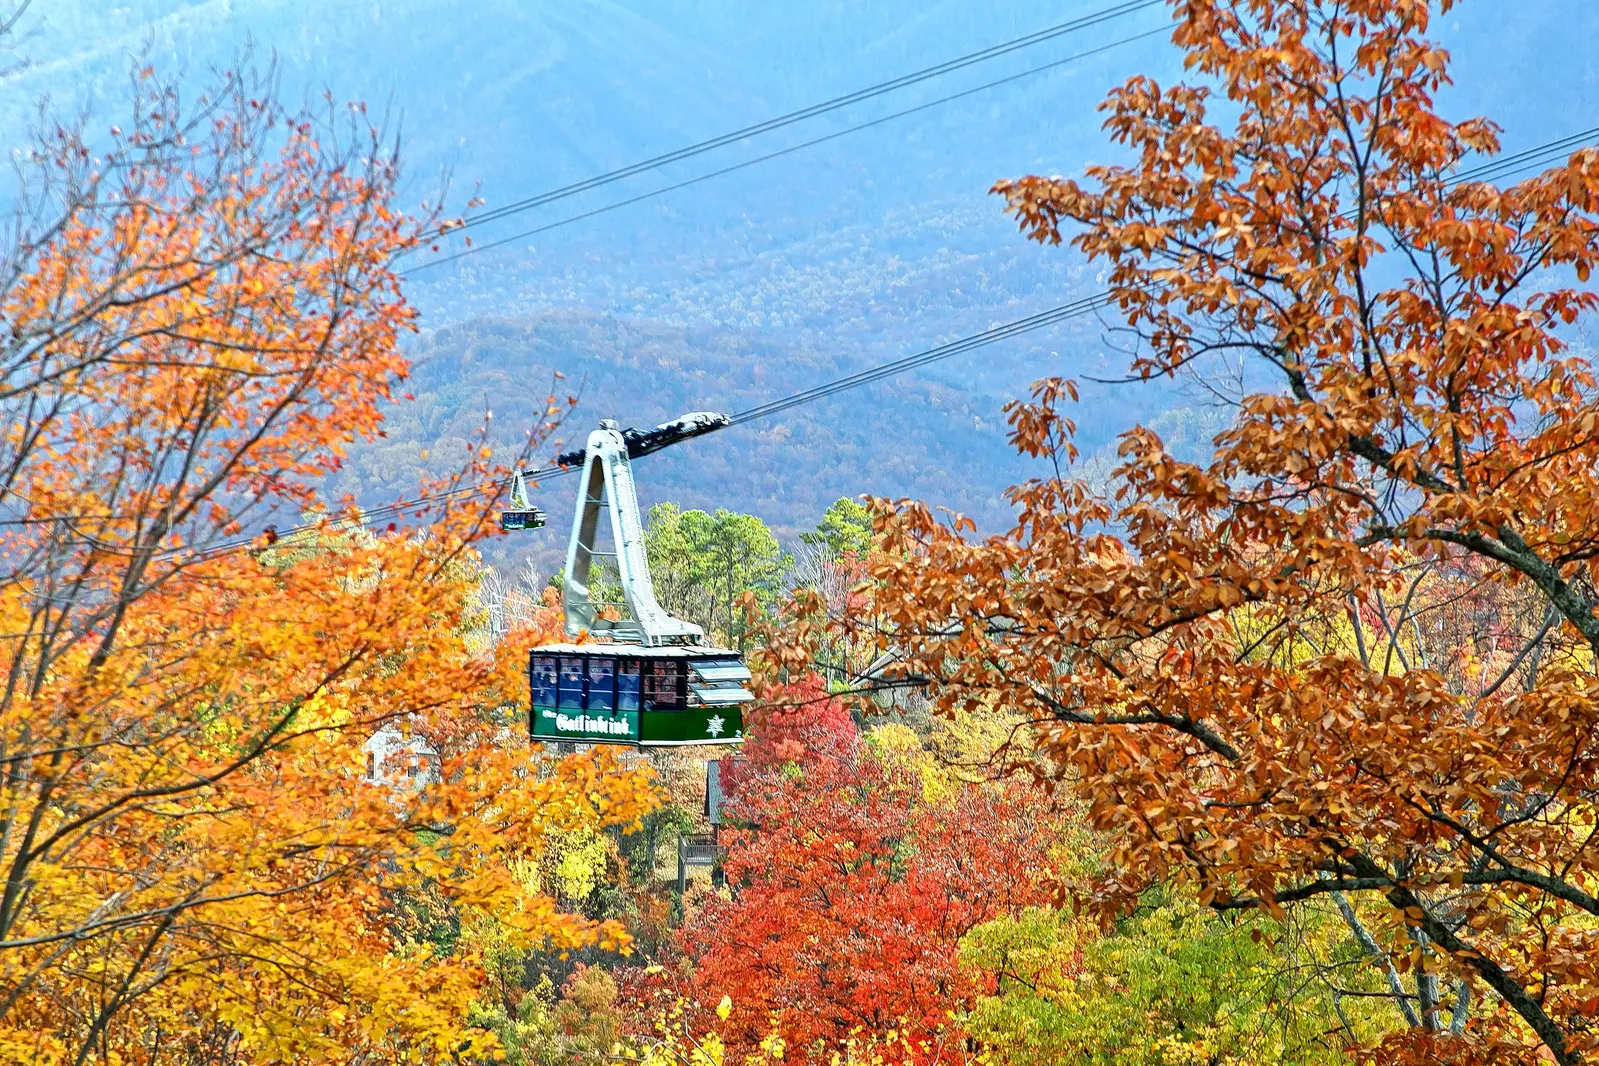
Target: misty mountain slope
522 95
777 277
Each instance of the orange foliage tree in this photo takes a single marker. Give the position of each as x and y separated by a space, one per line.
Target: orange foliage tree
1353 653
196 324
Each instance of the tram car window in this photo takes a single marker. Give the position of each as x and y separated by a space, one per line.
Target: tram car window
571 694
663 685
627 684
543 676
602 684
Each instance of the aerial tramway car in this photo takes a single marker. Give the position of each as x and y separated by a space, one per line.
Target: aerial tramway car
521 514
642 678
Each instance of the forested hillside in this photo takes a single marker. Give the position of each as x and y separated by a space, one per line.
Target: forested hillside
922 436
860 250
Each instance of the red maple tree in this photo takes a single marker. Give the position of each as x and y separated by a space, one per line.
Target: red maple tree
853 887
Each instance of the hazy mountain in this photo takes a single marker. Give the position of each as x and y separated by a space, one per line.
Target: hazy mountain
874 245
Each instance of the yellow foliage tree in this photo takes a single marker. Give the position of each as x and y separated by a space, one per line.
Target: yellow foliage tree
192 867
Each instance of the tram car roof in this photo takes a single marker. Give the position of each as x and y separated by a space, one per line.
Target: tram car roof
639 651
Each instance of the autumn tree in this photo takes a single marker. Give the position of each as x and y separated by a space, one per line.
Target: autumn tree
1221 658
199 314
831 565
845 530
1172 984
854 877
704 563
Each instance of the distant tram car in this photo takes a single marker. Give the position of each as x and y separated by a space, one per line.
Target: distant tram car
521 514
648 679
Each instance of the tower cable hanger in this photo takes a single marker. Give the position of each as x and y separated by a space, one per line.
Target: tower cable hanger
769 156
1126 7
1504 167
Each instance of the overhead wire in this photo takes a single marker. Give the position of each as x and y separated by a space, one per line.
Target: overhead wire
1125 7
365 519
932 355
1074 309
1530 157
1052 316
940 352
769 156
